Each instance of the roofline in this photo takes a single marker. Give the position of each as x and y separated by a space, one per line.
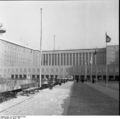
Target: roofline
54 50
16 44
70 50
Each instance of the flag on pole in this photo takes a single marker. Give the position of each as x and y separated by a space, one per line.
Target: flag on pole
108 39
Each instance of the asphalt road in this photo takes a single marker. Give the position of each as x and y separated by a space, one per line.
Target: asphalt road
86 100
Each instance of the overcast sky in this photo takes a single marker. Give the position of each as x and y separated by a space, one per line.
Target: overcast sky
76 24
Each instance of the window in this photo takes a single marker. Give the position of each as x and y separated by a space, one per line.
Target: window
24 69
24 76
38 70
12 76
29 70
33 70
20 76
16 76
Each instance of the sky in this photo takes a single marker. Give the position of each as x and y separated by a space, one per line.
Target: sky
76 24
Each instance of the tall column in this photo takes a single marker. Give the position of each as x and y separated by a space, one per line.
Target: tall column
47 59
88 58
51 59
72 59
66 59
59 59
56 59
81 58
63 59
75 58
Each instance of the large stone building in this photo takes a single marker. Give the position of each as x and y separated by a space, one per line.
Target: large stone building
18 62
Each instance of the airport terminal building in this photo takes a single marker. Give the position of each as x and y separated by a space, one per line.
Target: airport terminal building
19 62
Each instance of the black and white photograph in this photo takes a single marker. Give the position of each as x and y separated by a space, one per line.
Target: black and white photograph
59 58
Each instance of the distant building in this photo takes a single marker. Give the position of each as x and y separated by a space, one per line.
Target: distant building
18 62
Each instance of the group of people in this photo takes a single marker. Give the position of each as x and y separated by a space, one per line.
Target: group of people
82 80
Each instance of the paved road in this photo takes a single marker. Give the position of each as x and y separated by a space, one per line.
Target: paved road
68 99
86 100
45 102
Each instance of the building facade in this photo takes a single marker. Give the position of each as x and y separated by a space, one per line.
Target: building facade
18 62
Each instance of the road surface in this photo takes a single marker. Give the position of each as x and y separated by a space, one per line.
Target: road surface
70 98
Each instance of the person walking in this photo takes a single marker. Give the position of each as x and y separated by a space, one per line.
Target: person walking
77 80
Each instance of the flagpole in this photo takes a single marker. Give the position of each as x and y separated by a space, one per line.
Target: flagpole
85 68
108 39
96 61
40 48
106 66
91 66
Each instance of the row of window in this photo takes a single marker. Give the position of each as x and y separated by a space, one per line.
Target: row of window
68 59
24 76
30 70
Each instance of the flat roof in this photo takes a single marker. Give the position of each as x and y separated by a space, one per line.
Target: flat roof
54 50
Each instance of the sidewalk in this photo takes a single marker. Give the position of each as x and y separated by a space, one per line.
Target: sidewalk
112 90
44 102
70 98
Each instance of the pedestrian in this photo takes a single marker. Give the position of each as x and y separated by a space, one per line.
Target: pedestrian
50 84
93 81
82 80
77 80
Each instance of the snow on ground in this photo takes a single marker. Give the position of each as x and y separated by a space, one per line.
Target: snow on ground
45 102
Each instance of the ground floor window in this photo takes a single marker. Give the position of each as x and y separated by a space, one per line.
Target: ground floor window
16 76
24 76
33 76
12 76
20 76
38 76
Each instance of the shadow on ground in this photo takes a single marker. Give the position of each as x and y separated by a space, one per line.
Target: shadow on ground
85 100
